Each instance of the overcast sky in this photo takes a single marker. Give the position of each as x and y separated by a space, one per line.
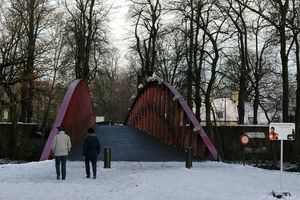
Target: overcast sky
119 26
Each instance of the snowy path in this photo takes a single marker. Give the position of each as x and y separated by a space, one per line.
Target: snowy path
145 180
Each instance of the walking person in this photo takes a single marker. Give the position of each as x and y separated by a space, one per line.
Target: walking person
91 149
61 147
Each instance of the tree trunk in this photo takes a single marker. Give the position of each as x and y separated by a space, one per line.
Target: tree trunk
297 114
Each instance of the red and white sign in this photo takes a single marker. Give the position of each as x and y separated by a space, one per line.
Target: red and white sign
244 139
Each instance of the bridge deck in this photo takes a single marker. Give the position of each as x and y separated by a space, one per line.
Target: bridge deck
130 144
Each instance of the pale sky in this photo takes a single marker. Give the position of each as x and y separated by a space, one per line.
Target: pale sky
119 26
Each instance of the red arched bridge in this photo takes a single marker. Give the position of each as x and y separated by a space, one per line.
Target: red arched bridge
158 109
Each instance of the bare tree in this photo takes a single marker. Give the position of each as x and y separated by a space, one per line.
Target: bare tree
293 25
51 90
276 13
33 18
186 11
86 33
262 72
212 25
171 56
236 14
113 90
146 15
12 60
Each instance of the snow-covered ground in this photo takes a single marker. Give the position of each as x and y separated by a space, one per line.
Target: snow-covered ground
145 180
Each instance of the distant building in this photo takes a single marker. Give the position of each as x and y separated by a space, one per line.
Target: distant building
226 113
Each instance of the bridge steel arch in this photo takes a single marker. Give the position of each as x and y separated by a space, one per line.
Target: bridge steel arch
76 114
160 110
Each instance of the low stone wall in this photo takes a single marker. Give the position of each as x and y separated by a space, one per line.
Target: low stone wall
229 138
228 141
29 143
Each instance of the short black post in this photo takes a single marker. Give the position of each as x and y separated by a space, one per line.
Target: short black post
244 155
106 157
188 157
299 163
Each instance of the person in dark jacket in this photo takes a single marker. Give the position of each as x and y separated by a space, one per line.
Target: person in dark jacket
91 149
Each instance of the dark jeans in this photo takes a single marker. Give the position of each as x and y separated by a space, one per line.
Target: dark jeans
61 160
87 165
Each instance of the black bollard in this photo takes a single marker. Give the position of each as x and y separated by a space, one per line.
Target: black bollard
299 163
188 157
106 157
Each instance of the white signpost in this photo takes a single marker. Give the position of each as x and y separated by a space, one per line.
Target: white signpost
281 131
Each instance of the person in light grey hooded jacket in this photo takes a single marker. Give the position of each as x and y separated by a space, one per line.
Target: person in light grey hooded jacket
61 147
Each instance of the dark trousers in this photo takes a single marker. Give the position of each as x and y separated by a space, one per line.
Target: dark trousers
61 160
87 165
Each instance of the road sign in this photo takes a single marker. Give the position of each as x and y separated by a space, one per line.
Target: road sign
244 139
282 131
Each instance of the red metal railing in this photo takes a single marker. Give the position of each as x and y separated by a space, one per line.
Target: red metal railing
76 114
160 110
